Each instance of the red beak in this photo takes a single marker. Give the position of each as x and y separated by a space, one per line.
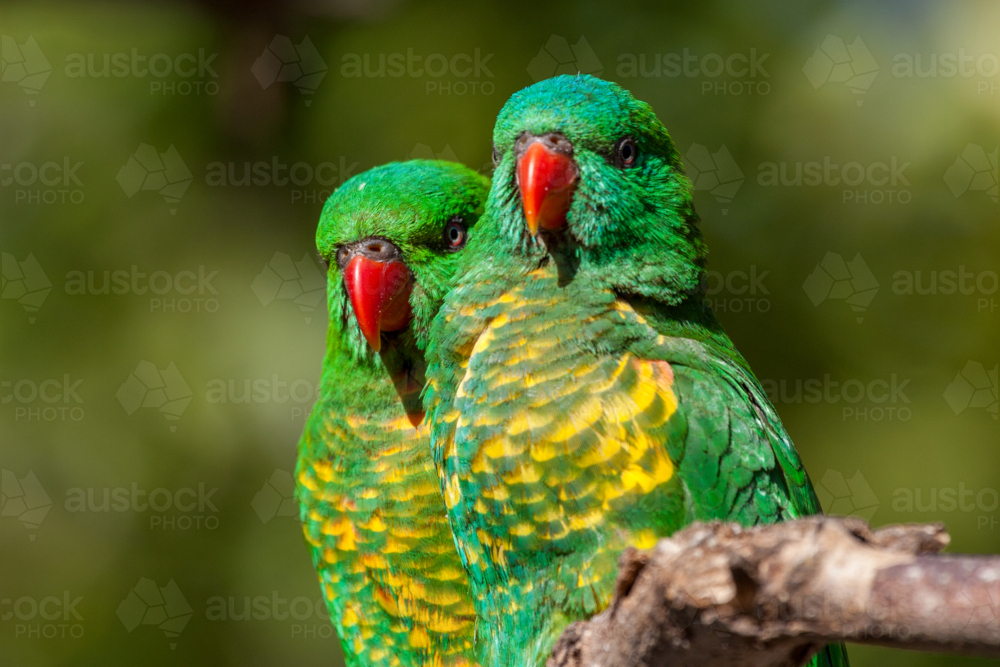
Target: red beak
547 180
380 296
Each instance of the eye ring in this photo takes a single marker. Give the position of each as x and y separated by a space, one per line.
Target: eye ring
496 155
455 234
626 152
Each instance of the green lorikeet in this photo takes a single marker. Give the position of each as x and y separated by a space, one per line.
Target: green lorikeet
582 396
371 504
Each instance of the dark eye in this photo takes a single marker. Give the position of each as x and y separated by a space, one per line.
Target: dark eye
496 155
454 235
626 152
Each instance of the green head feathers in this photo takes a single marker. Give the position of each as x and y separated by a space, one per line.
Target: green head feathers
413 213
630 221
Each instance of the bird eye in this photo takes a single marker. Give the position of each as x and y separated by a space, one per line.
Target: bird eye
626 152
496 155
454 235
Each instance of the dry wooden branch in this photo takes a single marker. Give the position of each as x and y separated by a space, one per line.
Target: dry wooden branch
722 595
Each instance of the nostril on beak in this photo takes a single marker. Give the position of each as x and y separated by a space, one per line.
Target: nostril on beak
375 247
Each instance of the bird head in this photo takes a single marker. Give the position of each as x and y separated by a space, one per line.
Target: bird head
580 160
390 238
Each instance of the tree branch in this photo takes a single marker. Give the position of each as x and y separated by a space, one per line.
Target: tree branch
722 595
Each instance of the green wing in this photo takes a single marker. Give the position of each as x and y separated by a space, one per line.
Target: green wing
733 455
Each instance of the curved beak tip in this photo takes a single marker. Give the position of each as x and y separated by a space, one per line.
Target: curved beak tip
374 339
379 294
547 180
531 219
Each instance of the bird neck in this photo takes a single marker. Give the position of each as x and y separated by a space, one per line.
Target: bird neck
378 383
692 318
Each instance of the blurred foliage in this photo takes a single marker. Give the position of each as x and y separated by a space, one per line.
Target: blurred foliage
864 456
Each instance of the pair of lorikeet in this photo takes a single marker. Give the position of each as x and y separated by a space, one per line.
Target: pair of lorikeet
522 379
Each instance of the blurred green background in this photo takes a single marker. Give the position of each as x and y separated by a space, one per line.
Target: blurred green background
196 162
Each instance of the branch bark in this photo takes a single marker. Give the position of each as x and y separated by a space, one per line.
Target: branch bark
723 595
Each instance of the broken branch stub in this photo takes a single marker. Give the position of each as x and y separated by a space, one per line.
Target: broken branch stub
721 594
